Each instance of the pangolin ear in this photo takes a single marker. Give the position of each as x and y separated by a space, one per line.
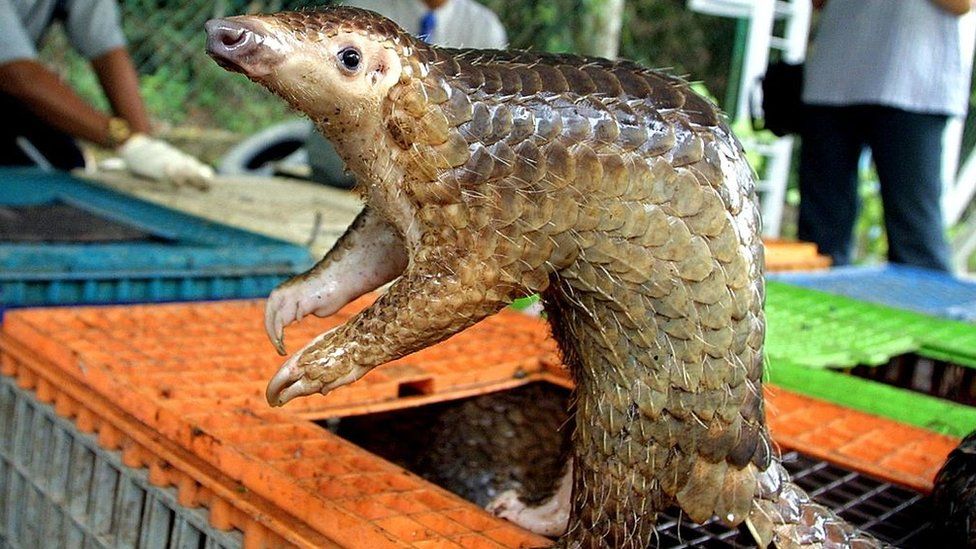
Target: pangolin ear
378 69
382 62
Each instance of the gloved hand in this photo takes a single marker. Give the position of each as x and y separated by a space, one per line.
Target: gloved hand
160 161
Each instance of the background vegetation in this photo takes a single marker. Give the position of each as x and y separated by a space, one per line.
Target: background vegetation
184 88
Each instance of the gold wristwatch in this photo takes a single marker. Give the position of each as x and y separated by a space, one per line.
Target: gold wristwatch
118 131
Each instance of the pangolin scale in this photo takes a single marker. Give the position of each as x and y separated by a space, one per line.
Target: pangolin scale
613 190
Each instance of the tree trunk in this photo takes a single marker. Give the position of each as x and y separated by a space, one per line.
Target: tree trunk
601 22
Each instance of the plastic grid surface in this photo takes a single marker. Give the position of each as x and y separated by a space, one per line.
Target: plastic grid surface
817 329
61 489
195 259
922 290
179 389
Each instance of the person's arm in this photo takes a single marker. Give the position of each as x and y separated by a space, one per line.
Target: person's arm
119 80
955 7
48 97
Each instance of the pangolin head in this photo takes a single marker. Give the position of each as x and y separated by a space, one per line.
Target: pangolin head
334 64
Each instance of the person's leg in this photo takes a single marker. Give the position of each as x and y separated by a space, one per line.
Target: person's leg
830 148
58 149
907 149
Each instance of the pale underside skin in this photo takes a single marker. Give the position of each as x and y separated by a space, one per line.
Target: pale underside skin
551 518
366 257
614 191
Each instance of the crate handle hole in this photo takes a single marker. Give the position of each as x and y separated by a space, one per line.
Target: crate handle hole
417 387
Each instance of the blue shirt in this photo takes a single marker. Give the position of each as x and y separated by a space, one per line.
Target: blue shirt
907 54
93 26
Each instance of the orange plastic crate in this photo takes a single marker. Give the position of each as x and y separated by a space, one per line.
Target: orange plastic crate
792 255
179 389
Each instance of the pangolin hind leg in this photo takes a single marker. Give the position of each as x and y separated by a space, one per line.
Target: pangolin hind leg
369 254
548 518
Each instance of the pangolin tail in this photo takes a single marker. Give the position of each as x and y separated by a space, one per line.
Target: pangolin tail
785 516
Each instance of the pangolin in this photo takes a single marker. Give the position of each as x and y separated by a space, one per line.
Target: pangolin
614 191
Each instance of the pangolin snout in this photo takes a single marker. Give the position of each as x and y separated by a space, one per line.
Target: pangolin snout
240 45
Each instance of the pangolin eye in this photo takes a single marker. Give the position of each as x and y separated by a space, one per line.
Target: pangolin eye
350 59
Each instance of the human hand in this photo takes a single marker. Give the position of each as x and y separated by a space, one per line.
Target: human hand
160 161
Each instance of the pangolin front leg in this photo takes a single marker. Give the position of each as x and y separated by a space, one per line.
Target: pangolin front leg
368 255
423 307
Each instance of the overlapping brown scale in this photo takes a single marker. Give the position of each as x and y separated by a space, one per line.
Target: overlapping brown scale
588 172
699 111
530 80
560 165
435 189
523 125
553 81
435 128
493 78
688 147
507 207
605 130
711 216
698 265
660 134
665 92
504 161
630 82
450 154
477 130
536 222
468 77
577 129
411 98
529 166
477 169
604 80
578 81
618 171
445 62
501 124
457 108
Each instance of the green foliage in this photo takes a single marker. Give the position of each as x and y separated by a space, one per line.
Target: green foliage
166 92
870 239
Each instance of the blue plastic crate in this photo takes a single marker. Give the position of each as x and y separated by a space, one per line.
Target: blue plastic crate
182 257
922 290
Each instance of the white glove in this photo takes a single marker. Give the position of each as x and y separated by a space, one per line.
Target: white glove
160 161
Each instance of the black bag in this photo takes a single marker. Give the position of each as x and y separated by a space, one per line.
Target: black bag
782 104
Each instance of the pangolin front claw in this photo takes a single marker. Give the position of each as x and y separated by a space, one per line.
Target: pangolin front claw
319 367
288 383
279 311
